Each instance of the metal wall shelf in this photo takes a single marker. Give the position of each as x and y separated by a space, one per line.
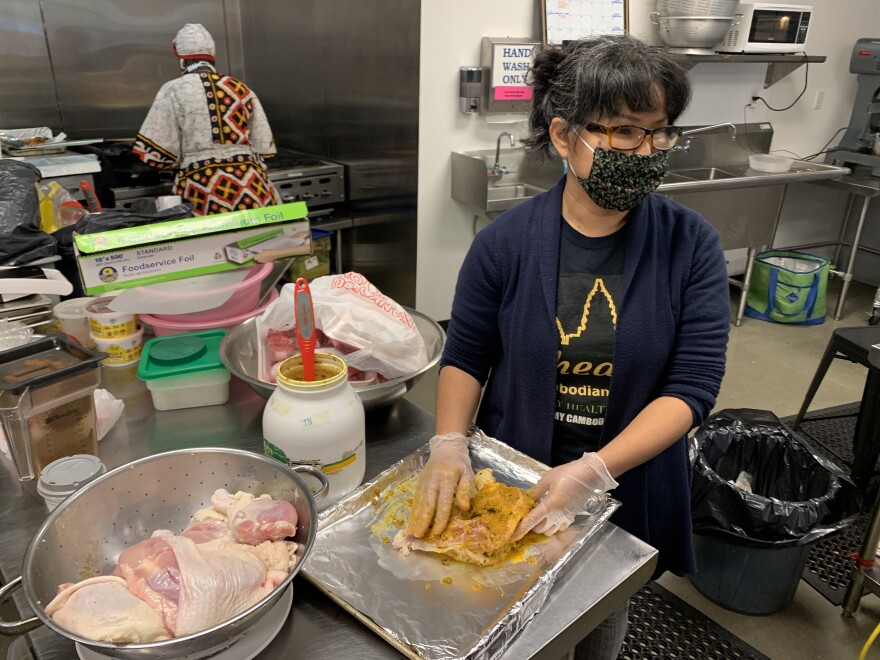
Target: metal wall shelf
778 66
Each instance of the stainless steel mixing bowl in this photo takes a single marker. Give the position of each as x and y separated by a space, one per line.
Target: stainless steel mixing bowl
239 353
85 534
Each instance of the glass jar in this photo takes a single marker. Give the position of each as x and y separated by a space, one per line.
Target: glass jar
318 423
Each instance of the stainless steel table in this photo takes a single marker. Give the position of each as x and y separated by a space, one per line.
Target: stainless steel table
612 567
859 183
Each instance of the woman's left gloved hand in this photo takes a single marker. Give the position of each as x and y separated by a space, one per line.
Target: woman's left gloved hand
564 491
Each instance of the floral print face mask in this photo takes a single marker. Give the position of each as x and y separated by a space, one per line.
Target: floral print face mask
619 180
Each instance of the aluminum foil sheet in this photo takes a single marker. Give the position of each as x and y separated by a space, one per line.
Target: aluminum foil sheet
428 607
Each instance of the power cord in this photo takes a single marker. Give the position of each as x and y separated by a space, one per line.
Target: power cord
803 91
869 642
825 149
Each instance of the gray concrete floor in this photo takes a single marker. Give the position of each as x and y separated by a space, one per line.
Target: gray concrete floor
769 367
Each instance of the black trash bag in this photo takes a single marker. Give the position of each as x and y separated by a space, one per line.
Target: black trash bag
21 240
797 497
110 219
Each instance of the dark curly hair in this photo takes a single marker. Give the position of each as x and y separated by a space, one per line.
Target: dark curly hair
599 77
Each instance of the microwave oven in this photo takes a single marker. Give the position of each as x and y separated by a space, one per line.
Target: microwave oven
768 28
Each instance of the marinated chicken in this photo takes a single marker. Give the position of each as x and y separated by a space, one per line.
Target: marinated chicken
482 535
227 559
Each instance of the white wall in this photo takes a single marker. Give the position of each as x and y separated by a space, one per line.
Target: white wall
451 34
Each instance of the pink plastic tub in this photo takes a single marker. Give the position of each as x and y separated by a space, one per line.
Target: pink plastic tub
245 296
163 327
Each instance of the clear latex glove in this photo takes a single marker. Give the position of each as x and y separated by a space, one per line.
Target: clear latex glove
446 477
564 491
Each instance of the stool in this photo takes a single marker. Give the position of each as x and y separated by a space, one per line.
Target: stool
854 344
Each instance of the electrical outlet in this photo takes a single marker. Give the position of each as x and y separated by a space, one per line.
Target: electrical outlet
819 100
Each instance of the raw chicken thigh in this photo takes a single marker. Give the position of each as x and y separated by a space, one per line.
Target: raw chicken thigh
252 519
218 580
227 559
102 609
151 572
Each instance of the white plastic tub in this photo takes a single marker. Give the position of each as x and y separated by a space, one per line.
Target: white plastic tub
208 388
770 163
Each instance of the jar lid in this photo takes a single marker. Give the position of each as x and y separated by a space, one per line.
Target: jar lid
66 475
72 307
177 355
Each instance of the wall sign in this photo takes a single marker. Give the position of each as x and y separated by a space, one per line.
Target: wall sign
567 20
506 62
510 63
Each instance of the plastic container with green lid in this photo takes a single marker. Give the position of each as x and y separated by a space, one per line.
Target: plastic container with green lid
185 371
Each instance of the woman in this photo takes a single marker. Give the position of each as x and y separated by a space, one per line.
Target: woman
596 315
212 128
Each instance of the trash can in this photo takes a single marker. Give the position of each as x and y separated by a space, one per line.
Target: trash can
760 497
788 287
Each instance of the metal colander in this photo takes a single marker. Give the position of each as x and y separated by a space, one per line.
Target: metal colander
697 7
85 534
693 32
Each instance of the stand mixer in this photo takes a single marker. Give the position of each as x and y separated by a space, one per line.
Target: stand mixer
861 142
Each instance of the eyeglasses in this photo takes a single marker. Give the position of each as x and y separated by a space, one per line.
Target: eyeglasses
630 138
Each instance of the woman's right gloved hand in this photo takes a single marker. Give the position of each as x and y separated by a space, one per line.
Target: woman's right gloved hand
446 477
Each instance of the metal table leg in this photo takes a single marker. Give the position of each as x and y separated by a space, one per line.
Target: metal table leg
747 279
861 574
841 235
851 263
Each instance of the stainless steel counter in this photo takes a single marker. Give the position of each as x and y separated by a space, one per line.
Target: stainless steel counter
613 566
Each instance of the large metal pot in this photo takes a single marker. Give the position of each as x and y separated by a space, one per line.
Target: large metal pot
239 351
84 535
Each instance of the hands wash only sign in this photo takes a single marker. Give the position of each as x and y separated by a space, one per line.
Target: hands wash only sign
136 256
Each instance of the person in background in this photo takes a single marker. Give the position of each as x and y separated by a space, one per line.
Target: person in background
595 316
212 128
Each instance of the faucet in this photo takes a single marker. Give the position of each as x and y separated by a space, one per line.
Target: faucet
497 170
702 129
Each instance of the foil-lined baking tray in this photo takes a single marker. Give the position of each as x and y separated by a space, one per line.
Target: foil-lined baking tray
426 606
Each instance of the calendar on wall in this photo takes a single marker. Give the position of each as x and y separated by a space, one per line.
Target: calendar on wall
567 20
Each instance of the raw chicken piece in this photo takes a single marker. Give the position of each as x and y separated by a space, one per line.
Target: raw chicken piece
151 572
103 609
203 531
217 581
256 519
279 557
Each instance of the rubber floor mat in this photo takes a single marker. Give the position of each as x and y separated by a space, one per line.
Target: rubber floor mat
661 625
831 431
828 569
834 429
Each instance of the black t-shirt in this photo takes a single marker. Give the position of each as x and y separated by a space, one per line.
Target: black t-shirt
588 288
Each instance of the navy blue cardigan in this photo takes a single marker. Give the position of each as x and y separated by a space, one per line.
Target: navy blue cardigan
671 340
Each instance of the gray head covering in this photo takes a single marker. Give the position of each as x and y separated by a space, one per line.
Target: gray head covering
194 41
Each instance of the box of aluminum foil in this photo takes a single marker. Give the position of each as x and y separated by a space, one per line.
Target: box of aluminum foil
177 249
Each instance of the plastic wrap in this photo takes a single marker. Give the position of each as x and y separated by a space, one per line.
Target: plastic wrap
797 496
21 240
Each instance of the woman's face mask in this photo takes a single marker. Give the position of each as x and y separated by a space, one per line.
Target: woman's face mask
620 180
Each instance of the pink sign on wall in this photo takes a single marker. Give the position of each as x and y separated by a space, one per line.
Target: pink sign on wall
513 93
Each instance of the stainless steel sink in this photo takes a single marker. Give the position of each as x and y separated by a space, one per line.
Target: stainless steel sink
704 174
501 198
522 175
672 177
